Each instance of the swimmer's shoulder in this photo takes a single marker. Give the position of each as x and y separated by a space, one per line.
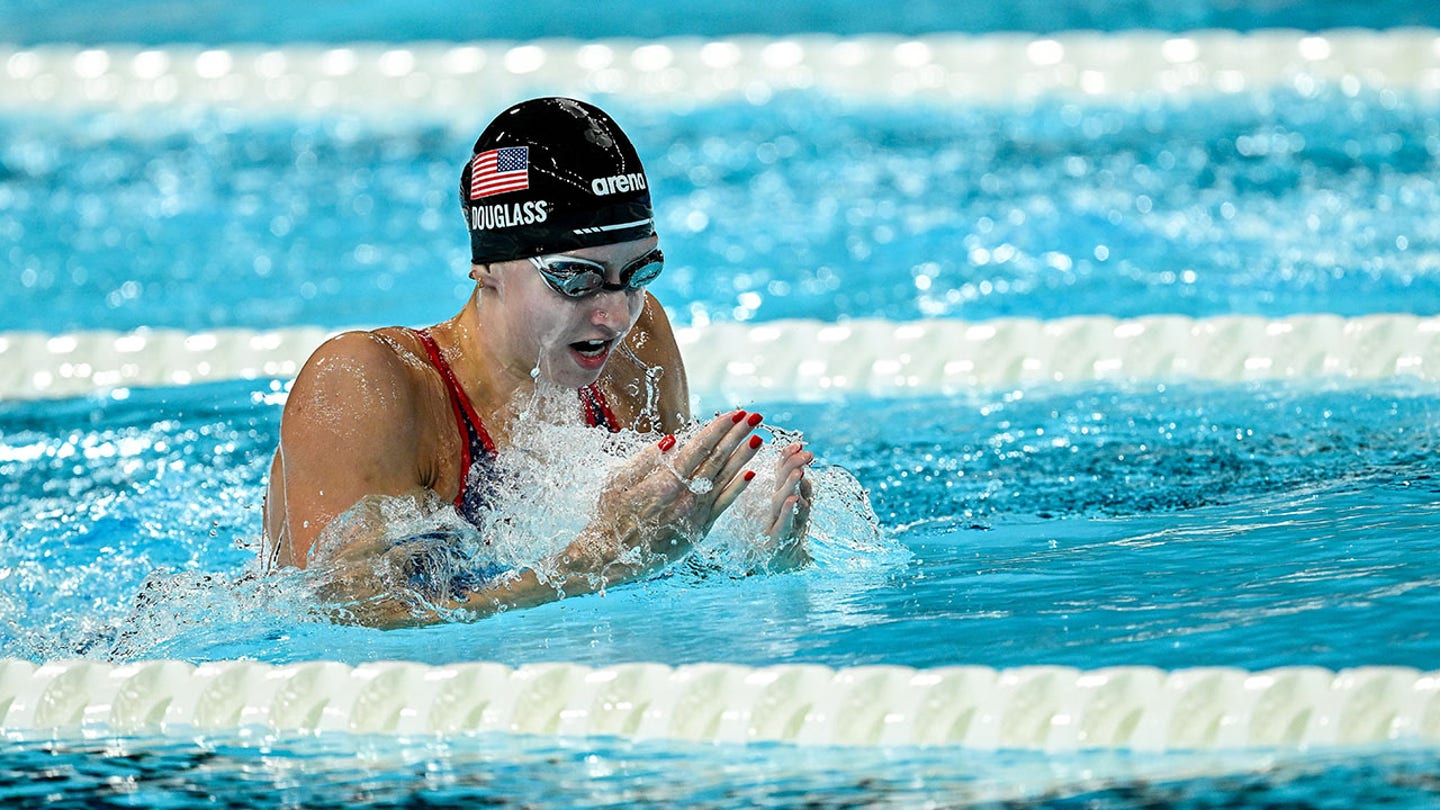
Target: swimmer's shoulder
375 370
652 339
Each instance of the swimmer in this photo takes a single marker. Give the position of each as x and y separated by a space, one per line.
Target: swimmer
563 245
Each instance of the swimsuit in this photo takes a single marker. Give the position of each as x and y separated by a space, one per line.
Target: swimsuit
477 452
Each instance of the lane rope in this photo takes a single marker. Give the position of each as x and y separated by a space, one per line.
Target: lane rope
808 359
444 78
1042 708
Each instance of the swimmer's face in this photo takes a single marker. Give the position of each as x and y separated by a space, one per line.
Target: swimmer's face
570 339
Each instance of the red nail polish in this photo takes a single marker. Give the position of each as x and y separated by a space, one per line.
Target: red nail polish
755 419
667 443
756 441
737 417
749 474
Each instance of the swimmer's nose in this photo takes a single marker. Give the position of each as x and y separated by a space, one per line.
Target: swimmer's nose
610 308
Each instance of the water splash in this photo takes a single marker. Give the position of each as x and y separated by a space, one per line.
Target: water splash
415 551
647 392
172 610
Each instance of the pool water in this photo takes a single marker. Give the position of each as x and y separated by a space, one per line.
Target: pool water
545 772
1089 525
1271 202
275 21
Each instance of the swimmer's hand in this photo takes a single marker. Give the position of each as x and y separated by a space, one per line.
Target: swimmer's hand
667 498
790 509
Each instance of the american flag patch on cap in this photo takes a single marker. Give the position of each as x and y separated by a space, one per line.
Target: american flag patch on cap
500 170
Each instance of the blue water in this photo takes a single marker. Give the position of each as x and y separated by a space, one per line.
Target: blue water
1091 525
213 22
1251 526
508 771
1266 203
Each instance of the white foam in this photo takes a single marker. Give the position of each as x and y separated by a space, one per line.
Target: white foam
407 553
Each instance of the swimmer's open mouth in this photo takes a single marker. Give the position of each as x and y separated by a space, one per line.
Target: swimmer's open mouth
591 348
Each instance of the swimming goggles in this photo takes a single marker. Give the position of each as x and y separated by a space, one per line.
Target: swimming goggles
576 278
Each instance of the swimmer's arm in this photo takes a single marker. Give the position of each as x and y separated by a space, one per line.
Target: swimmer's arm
577 577
348 431
646 519
523 589
364 598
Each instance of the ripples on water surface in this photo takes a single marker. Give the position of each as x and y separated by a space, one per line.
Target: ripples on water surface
1270 203
1181 525
346 772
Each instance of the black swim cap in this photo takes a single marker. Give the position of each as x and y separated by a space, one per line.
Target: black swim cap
550 175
